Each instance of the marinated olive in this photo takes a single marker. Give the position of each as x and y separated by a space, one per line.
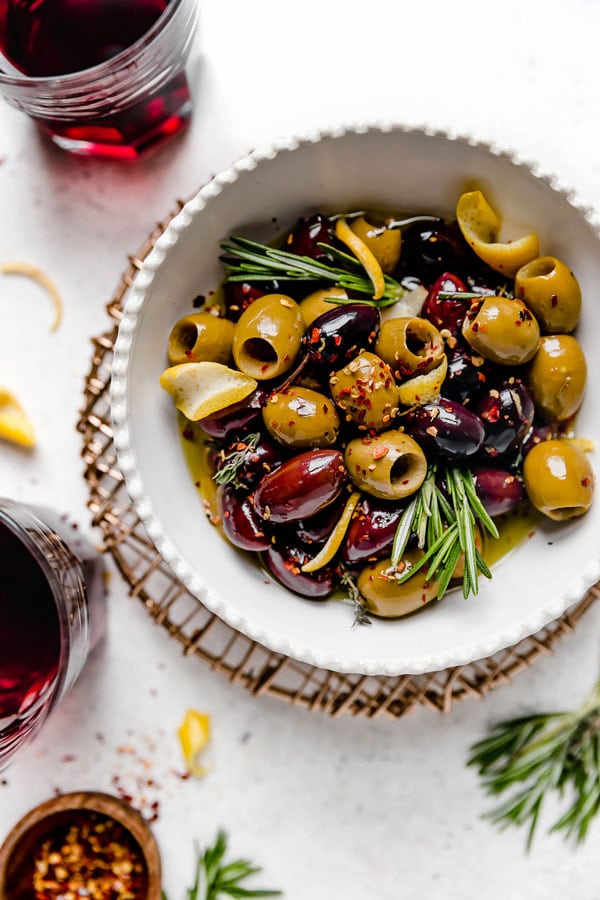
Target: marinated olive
316 529
285 563
500 491
238 419
446 428
385 597
410 345
372 530
384 243
467 376
448 312
335 337
267 337
300 417
238 295
502 330
558 479
507 415
551 292
537 433
431 248
366 392
307 234
301 487
315 304
201 337
240 523
390 465
557 377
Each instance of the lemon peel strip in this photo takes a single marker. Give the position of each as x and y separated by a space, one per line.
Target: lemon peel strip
15 425
194 735
204 388
480 227
424 388
364 255
29 271
336 537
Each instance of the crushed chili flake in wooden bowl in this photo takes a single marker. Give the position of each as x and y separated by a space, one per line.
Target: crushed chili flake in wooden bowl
83 844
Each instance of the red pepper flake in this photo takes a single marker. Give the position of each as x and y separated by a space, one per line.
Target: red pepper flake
189 354
380 451
553 300
586 481
337 339
315 336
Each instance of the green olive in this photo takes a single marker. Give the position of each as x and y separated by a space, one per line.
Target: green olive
366 392
503 331
201 337
551 292
384 244
390 465
315 305
410 345
385 597
557 377
558 479
300 417
267 337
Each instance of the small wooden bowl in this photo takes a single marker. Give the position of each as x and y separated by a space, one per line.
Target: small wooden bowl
18 848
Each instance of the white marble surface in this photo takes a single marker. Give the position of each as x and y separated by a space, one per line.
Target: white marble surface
345 808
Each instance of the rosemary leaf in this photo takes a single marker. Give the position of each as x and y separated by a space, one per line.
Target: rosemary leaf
233 462
403 532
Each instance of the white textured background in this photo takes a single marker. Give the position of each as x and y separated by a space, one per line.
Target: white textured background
346 808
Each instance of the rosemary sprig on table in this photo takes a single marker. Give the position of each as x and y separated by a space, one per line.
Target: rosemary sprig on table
215 879
445 528
541 754
247 260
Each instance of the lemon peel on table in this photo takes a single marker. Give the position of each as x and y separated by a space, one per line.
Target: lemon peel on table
205 388
29 271
480 226
194 735
14 422
332 545
364 255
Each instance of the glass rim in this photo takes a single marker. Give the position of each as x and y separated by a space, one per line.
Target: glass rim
108 67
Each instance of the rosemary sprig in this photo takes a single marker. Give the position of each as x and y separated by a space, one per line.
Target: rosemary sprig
538 755
233 462
445 529
247 260
361 613
215 879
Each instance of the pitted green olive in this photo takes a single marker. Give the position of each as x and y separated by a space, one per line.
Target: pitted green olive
503 331
314 305
390 465
385 244
551 292
557 377
558 479
300 417
385 597
201 337
267 337
366 392
410 346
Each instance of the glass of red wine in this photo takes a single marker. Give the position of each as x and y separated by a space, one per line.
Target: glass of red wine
52 613
102 78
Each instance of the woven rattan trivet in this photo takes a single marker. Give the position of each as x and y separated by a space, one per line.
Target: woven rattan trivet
204 635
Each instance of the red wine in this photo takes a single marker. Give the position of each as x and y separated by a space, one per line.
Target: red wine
58 37
44 38
29 630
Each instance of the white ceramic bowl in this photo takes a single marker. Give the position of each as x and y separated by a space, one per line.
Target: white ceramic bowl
379 167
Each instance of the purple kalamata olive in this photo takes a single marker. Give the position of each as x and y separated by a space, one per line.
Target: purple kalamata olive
467 376
258 458
507 414
371 532
499 491
240 522
539 431
238 295
286 562
316 529
301 487
430 248
336 336
307 234
446 428
446 313
239 418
